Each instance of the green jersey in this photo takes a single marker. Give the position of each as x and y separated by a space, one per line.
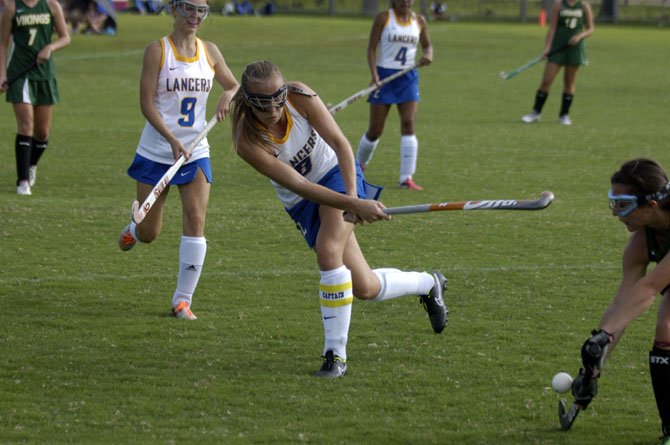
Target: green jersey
32 29
570 23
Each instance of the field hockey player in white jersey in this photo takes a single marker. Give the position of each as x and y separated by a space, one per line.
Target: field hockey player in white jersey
392 47
285 132
177 75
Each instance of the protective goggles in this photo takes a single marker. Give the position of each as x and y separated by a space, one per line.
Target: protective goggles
188 9
622 205
267 102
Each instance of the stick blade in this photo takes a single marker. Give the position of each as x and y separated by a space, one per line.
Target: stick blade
567 418
136 213
546 198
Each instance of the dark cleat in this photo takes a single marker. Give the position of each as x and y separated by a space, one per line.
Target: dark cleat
332 368
434 303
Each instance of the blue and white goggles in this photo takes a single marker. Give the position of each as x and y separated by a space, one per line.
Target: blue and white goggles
622 205
188 9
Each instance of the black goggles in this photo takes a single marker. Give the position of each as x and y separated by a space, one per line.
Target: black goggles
267 102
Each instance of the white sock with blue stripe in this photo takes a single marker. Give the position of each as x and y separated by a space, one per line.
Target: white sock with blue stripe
336 296
396 283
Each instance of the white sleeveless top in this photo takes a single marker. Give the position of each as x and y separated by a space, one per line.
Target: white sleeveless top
184 84
398 42
303 149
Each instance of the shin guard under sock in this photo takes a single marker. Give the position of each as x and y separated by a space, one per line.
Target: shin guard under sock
659 368
22 148
566 103
192 250
409 151
540 99
38 148
336 297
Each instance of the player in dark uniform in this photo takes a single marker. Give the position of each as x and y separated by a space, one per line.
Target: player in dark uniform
640 198
571 23
29 79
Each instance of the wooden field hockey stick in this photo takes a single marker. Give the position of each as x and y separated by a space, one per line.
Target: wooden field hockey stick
498 204
20 74
508 75
354 97
139 212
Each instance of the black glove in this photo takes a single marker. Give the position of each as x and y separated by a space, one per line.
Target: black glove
584 388
594 350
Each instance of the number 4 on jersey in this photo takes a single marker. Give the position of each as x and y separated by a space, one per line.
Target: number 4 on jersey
402 55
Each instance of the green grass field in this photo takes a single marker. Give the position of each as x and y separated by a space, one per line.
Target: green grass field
89 354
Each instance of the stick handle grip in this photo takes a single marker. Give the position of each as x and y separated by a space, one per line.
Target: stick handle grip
353 98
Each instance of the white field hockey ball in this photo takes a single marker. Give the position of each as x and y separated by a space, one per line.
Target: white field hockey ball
562 382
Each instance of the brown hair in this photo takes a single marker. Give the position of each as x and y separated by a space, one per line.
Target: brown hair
645 178
244 122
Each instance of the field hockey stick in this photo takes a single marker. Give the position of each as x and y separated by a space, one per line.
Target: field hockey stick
508 75
498 204
567 417
354 97
21 73
139 212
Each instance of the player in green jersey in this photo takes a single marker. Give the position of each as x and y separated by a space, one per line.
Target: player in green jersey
571 23
29 78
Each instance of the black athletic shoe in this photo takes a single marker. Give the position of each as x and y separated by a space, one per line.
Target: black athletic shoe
333 367
434 303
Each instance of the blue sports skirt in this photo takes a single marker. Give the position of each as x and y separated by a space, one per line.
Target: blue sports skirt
305 214
398 91
147 171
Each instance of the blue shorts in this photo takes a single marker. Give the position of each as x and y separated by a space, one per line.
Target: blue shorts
149 172
306 213
398 91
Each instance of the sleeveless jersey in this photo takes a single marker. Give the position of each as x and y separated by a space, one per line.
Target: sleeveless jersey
655 251
397 43
304 150
31 31
570 22
183 87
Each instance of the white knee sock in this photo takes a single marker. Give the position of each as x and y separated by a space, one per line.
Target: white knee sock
396 283
192 250
336 297
366 149
409 149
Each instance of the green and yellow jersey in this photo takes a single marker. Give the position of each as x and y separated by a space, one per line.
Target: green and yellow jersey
32 28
